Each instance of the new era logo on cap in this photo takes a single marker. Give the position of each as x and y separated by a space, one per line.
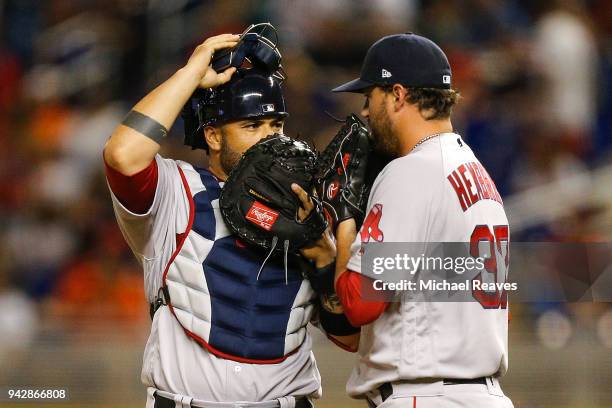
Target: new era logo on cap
385 74
446 79
268 107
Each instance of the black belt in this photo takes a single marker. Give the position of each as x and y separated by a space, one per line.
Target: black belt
386 390
454 381
162 402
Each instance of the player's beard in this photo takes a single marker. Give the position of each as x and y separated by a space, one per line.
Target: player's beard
228 157
385 141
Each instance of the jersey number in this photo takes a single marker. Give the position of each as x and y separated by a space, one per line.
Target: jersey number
487 244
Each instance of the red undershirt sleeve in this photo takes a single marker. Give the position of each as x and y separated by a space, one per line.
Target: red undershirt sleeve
135 192
358 311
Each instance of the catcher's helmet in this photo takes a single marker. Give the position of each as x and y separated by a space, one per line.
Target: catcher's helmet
250 93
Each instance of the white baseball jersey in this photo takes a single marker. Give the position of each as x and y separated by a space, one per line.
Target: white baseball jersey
439 192
179 364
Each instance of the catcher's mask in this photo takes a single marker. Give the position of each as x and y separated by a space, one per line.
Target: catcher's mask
257 46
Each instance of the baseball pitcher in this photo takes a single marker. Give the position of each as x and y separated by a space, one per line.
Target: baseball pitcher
423 354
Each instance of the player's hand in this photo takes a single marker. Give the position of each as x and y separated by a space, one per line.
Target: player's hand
199 62
323 251
307 204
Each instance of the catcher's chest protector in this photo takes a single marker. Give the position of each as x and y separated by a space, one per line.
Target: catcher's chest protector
214 292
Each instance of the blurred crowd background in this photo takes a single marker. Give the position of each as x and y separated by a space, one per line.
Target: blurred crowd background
535 79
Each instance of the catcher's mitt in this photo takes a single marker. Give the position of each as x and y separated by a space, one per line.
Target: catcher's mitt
342 181
257 202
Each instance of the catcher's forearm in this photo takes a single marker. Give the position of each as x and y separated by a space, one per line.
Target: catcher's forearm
128 151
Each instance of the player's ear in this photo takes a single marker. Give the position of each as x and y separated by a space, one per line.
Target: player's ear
399 93
213 136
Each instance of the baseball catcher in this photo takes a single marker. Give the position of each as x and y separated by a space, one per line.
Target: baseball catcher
225 249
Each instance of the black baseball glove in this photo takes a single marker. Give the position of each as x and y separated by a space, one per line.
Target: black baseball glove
342 182
257 202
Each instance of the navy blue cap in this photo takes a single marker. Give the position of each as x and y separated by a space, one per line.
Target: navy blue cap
407 59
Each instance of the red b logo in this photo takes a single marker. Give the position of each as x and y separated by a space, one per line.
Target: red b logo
370 228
